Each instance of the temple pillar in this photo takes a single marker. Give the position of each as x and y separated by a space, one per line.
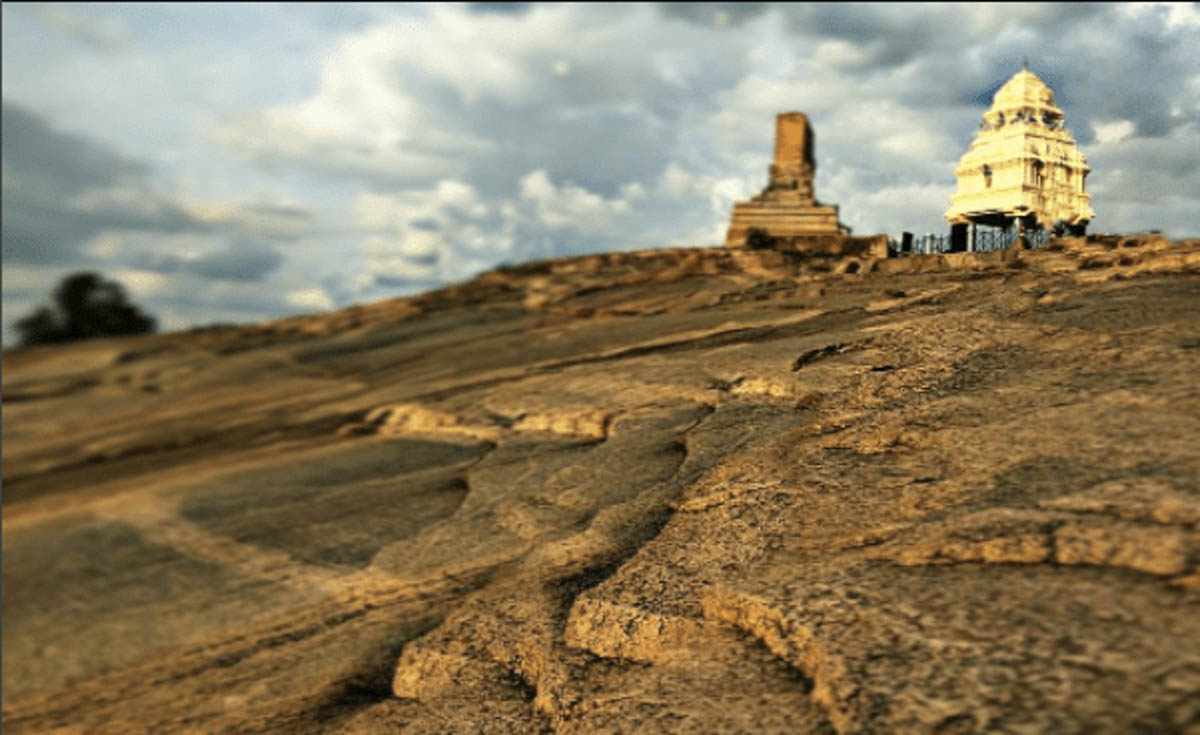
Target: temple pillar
792 168
958 237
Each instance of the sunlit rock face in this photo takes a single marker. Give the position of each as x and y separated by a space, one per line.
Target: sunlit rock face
673 491
1024 163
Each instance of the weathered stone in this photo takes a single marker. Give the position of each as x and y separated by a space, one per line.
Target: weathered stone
786 215
670 491
793 167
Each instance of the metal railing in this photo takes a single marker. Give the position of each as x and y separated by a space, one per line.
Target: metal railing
986 240
990 240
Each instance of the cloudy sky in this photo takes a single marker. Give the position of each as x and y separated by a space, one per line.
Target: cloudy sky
236 162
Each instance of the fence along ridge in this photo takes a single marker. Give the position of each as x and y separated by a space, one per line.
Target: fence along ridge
986 240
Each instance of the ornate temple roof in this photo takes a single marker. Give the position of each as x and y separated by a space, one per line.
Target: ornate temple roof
1023 163
1023 91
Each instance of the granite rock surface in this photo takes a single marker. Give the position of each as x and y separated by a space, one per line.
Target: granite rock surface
667 491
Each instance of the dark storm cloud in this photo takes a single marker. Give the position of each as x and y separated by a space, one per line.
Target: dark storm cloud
937 35
514 8
1096 56
61 190
235 305
425 224
237 262
597 110
599 149
38 231
1147 170
731 15
1116 67
891 36
600 146
45 171
50 163
409 285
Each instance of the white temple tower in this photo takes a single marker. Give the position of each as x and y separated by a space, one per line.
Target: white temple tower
1023 168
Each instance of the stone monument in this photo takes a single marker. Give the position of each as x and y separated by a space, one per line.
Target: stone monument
1024 167
786 213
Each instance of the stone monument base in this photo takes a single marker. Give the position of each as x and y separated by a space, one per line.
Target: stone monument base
820 246
781 221
786 215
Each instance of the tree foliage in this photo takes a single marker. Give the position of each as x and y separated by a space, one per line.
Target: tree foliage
84 306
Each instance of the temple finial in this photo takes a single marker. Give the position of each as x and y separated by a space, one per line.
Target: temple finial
1024 63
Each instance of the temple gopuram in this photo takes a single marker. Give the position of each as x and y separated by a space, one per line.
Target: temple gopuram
1023 170
786 214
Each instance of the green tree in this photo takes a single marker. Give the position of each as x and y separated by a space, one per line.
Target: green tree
84 306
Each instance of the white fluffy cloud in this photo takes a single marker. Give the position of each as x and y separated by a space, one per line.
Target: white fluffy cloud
310 298
571 206
1113 132
448 232
422 237
413 99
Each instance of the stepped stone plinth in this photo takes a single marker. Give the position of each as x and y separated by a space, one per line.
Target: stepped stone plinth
787 212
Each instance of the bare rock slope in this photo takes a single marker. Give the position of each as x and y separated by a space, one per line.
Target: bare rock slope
668 491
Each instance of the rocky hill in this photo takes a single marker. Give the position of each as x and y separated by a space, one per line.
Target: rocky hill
667 491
